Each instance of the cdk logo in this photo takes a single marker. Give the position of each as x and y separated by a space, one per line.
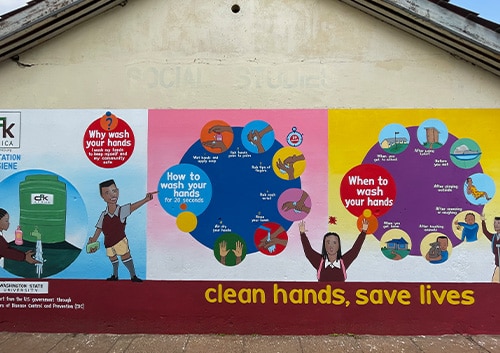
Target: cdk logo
9 129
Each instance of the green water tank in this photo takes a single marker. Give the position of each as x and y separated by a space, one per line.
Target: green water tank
42 202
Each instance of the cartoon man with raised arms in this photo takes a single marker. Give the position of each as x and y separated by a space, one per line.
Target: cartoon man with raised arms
112 223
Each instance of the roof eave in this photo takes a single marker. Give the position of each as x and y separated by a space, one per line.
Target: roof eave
460 36
41 21
435 24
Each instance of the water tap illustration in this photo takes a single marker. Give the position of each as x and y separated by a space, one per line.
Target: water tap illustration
38 251
272 247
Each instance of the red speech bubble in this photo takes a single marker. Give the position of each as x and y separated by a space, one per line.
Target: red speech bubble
108 141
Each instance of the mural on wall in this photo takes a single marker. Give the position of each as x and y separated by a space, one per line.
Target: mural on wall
232 186
232 190
47 186
428 181
285 201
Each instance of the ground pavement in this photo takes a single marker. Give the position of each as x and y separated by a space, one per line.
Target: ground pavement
138 343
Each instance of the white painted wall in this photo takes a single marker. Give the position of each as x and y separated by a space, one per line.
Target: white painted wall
272 54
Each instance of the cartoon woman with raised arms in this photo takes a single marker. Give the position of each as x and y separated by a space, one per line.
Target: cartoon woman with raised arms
331 264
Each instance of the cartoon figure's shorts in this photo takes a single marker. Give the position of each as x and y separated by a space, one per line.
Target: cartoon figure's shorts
120 248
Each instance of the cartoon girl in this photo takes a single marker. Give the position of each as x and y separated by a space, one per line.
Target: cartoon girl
331 264
5 250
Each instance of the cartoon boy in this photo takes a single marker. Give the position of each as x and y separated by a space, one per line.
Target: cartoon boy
495 244
470 227
112 223
472 190
439 251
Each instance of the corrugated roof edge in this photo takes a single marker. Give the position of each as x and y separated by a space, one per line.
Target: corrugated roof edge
19 9
468 14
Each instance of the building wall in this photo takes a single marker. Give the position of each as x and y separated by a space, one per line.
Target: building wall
162 75
271 54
